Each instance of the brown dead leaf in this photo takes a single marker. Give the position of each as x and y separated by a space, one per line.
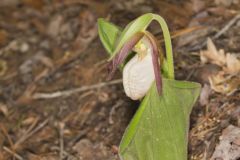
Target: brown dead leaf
87 32
202 73
3 37
226 3
212 55
198 5
204 96
88 150
3 109
39 25
98 6
194 36
42 157
222 11
115 149
223 83
1 154
7 3
178 17
54 26
26 97
232 64
229 62
228 148
182 32
29 120
37 4
33 156
3 67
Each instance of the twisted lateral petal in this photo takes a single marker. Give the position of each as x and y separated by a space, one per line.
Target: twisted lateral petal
155 61
123 53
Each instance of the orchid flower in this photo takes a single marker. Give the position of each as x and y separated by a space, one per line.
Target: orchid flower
139 72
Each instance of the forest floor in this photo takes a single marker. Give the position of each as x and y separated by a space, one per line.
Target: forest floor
55 102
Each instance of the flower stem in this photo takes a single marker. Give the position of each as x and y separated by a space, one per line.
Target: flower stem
168 45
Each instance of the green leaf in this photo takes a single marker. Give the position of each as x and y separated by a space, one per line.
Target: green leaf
159 129
108 34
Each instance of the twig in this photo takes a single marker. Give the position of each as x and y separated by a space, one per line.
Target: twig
207 144
13 153
29 134
180 32
221 32
6 134
73 91
85 94
190 74
4 67
32 126
78 137
227 26
113 110
40 126
61 128
24 137
65 153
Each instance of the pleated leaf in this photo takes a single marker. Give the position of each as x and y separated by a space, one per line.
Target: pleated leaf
159 129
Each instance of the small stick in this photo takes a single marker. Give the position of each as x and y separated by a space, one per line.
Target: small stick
6 134
13 153
61 128
24 137
32 125
221 32
73 91
40 126
227 26
113 111
65 153
190 74
206 150
84 95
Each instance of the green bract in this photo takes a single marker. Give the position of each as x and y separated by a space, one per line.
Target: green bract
159 129
108 33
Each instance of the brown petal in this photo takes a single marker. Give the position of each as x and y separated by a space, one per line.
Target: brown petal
123 53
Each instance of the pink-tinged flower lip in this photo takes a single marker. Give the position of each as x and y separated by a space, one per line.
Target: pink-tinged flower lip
128 46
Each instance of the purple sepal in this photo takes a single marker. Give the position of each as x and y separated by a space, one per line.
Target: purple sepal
123 53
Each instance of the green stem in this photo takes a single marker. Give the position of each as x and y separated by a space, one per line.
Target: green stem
168 45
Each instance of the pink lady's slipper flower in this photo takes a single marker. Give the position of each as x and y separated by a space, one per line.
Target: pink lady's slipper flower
140 71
